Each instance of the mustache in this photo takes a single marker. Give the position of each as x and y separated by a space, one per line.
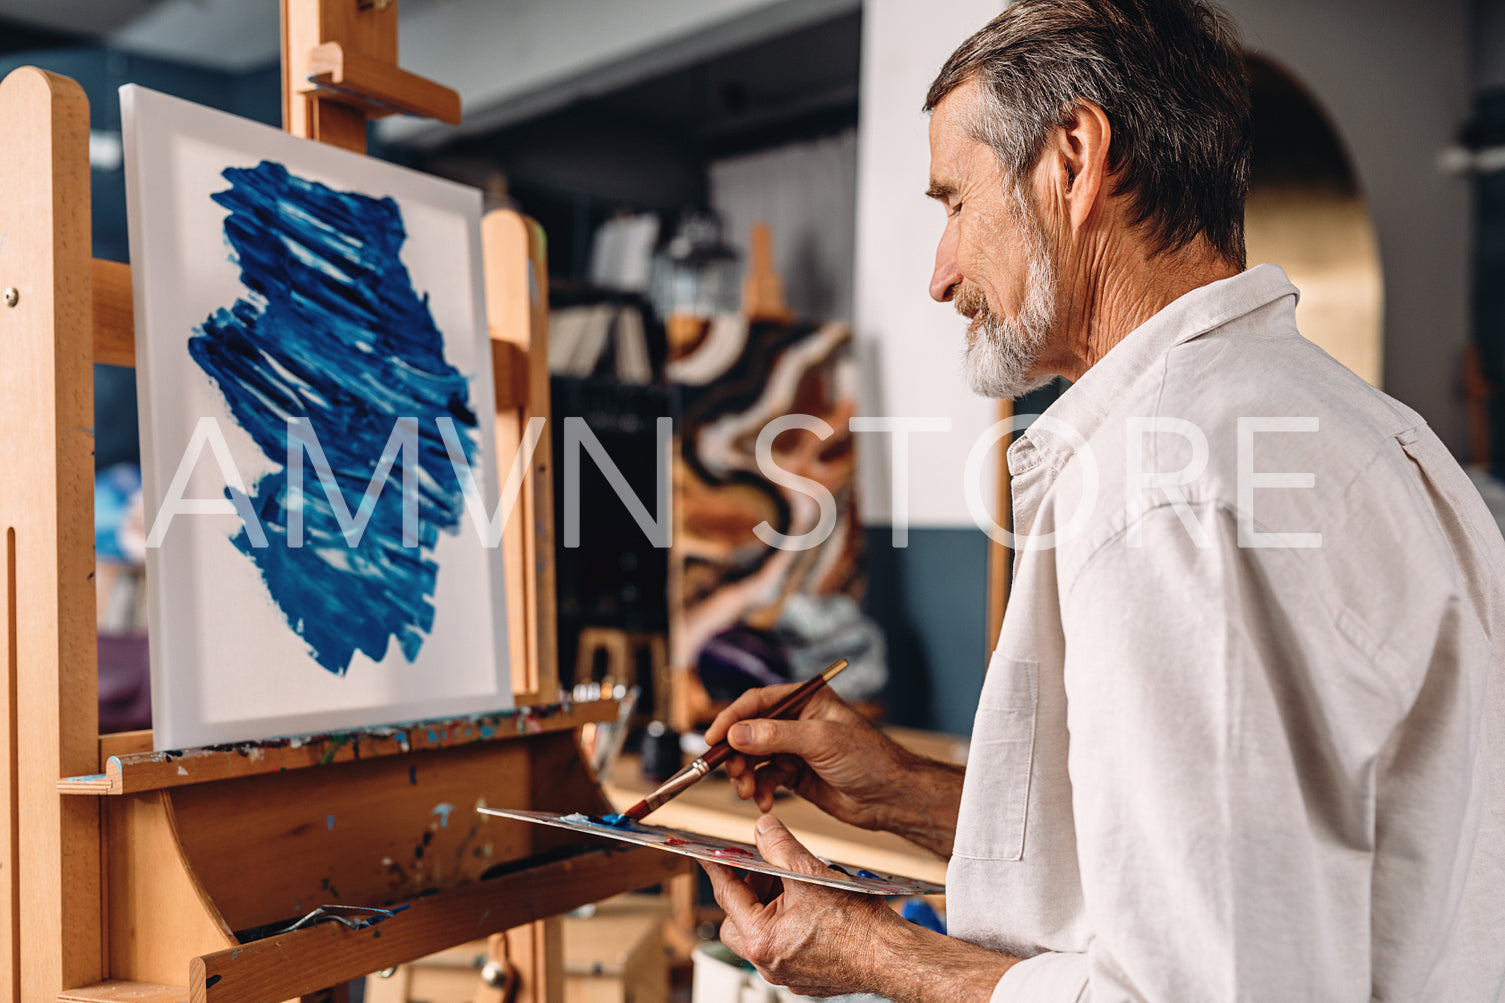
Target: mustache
970 302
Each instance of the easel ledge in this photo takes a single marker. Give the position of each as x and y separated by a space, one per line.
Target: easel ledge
132 765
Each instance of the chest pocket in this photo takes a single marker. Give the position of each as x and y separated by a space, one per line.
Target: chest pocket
995 794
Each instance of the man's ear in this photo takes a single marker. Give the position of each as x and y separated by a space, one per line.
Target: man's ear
1080 176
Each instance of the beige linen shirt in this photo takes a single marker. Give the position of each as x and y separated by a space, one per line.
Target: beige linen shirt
1243 735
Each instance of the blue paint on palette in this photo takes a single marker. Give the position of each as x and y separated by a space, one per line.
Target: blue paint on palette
331 329
612 821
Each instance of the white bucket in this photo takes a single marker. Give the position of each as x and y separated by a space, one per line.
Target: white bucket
722 977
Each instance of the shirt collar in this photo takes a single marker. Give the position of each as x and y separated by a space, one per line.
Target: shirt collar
1085 404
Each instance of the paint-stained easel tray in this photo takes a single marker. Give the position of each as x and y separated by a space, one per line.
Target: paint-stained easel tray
131 765
731 853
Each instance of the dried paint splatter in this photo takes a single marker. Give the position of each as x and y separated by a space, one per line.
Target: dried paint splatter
331 329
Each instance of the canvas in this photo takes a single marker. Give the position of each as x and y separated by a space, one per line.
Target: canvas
848 877
308 315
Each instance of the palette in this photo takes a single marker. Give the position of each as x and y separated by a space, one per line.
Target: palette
743 856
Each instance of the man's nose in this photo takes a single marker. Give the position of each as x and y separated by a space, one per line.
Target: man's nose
946 275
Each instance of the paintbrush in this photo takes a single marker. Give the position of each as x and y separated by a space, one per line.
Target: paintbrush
721 751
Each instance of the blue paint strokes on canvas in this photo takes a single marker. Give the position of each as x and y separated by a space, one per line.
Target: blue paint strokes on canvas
331 329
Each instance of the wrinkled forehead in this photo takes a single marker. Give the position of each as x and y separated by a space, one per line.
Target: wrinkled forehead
955 115
956 154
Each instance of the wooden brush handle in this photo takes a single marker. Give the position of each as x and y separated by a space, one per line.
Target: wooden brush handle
721 751
790 706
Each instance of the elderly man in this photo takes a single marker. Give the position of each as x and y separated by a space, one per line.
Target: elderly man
1243 733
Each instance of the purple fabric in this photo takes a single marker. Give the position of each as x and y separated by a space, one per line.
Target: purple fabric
739 659
125 688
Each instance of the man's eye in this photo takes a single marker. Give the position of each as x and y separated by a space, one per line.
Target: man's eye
956 210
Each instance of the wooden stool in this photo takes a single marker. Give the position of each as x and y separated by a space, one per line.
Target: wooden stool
622 649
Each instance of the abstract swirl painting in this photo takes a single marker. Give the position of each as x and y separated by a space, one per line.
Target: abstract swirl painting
333 330
315 384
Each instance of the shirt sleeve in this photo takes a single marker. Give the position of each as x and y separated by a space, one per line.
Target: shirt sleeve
1060 978
1221 772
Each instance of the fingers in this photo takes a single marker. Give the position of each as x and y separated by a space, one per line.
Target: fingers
778 846
763 781
758 737
746 784
765 785
769 779
740 902
731 936
750 704
766 887
732 893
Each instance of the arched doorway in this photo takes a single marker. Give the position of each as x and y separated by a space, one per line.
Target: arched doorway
1307 214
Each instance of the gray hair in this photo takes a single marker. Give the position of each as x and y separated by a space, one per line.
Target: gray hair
1170 76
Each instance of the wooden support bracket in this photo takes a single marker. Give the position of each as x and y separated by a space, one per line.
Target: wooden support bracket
114 321
291 964
378 89
510 372
339 69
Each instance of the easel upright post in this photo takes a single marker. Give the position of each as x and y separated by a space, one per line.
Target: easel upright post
50 924
517 313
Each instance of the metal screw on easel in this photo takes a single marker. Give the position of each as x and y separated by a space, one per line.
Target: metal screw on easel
12 296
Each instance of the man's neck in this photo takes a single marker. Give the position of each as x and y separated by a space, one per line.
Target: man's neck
1121 288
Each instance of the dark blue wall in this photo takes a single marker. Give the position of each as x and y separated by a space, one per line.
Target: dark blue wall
255 94
931 598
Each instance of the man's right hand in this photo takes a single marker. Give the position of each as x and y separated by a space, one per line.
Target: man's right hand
835 758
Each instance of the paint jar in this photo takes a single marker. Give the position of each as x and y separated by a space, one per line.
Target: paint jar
662 757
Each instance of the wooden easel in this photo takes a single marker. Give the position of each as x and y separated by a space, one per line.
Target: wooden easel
133 875
1000 558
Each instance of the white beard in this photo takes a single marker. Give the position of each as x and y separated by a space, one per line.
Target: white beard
1001 351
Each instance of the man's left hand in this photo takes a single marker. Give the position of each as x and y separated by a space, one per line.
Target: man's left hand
816 940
